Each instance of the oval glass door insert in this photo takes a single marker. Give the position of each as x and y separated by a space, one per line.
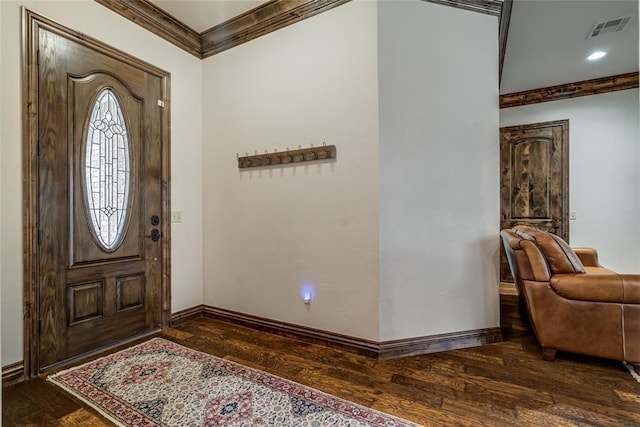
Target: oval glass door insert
107 170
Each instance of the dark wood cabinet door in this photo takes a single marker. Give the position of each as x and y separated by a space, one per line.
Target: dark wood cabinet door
99 185
534 180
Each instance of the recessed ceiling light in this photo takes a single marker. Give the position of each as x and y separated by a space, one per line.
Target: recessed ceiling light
596 55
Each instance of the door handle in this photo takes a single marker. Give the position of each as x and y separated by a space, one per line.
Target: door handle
155 235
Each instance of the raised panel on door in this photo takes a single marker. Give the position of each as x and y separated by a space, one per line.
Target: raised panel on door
530 178
130 292
85 302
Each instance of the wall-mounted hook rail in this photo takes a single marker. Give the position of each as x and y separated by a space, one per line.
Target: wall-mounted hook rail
288 156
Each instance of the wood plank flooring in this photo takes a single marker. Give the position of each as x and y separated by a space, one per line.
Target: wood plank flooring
503 384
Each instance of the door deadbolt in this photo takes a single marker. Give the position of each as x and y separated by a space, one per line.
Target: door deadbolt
155 220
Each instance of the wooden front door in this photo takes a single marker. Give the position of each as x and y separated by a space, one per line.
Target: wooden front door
100 209
534 181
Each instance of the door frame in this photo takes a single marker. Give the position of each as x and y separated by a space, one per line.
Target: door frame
32 22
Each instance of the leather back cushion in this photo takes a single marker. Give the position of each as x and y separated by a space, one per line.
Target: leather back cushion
561 258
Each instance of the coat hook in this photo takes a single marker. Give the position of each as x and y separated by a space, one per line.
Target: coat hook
275 159
313 152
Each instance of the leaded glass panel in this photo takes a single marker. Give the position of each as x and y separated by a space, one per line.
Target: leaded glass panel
107 170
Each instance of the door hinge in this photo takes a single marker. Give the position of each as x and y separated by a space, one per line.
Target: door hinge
160 103
38 57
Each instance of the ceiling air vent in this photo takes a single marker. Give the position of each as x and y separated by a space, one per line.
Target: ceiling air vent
611 26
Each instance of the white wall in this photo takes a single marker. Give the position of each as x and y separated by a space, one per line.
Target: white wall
439 169
270 231
186 146
604 171
429 262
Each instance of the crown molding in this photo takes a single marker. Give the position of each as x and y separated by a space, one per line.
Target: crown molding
489 7
159 22
270 16
503 33
570 90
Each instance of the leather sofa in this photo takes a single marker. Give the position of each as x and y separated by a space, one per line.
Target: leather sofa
574 304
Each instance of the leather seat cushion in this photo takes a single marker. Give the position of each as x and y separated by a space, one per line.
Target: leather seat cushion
598 270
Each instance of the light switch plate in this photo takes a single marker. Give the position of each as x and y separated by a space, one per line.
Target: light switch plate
572 216
176 216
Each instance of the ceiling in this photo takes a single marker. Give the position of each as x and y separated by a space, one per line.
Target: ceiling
201 15
547 44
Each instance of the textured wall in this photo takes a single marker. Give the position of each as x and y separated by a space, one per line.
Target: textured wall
270 232
439 176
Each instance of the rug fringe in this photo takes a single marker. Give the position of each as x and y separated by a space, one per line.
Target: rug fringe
58 373
632 370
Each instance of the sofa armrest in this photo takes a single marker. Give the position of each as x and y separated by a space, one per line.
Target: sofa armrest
588 256
604 287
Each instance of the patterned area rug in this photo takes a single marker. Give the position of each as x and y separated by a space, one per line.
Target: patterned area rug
161 383
634 368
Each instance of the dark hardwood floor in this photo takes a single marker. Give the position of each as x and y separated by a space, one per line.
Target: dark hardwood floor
504 384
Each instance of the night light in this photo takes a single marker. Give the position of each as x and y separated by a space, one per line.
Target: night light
306 293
